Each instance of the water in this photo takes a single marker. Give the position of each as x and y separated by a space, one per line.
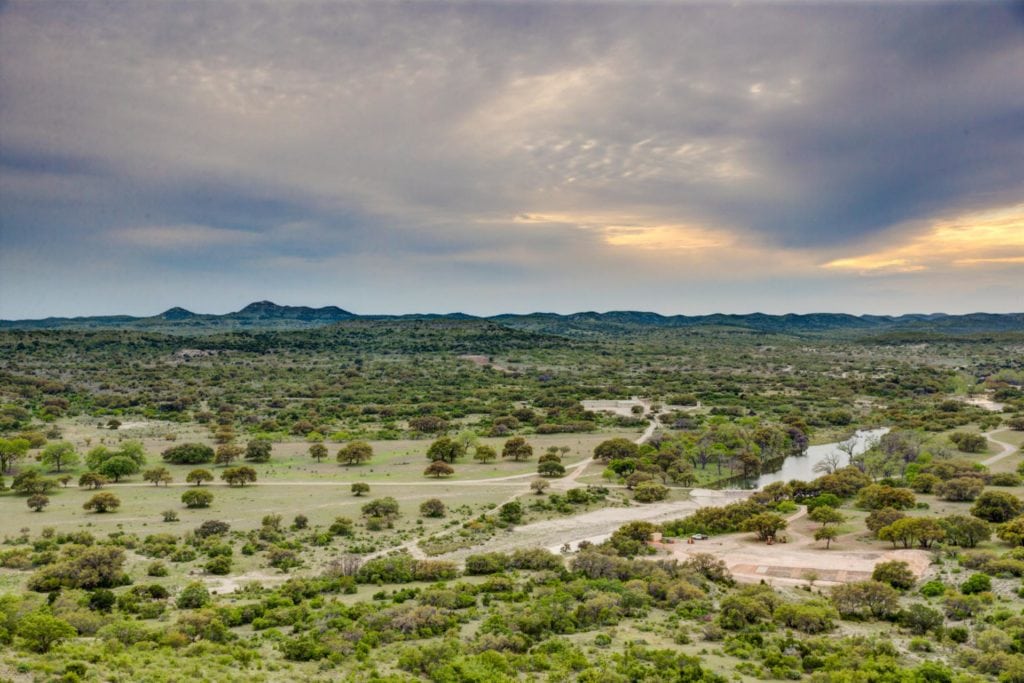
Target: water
802 467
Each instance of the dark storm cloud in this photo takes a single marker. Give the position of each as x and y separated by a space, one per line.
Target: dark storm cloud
231 135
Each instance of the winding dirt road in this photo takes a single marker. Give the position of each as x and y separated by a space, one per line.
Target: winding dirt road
1008 448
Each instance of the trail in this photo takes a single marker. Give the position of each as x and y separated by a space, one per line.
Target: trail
1008 448
588 526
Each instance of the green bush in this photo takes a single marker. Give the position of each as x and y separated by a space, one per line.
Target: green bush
977 583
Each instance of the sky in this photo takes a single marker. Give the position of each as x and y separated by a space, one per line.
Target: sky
497 157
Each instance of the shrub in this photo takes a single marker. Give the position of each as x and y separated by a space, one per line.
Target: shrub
809 617
511 512
212 527
878 496
188 454
960 488
486 563
42 631
895 573
965 531
933 589
879 519
616 449
258 450
866 599
968 442
193 596
196 498
977 583
650 492
86 568
156 569
997 506
238 476
433 507
220 565
103 502
199 476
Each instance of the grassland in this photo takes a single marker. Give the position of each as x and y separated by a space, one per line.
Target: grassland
397 598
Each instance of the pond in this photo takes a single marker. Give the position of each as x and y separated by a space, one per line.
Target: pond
802 467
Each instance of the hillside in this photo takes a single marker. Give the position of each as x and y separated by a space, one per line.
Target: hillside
267 316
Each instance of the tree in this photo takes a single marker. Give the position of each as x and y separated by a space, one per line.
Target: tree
517 448
197 498
103 502
238 476
485 454
37 502
42 631
92 480
539 486
765 525
117 467
826 515
433 507
616 449
895 573
59 455
650 492
355 453
158 475
12 450
445 449
438 469
198 476
386 508
829 464
910 530
827 534
966 531
997 506
227 454
258 450
360 487
188 454
318 452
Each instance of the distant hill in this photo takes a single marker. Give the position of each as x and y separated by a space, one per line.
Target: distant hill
268 316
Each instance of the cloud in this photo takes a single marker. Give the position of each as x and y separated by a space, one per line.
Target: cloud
176 237
769 137
995 236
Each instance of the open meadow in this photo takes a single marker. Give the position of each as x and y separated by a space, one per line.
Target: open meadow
458 501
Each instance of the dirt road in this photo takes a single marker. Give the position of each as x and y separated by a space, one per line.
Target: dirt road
1007 449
